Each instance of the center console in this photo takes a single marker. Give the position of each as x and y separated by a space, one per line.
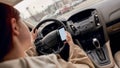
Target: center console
94 45
90 34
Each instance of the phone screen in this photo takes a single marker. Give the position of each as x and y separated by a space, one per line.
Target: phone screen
62 34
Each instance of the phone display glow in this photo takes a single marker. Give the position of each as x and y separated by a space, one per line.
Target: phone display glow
62 34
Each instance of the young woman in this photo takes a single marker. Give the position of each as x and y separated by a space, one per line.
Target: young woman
15 40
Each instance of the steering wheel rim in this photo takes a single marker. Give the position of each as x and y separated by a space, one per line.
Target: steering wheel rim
46 20
38 46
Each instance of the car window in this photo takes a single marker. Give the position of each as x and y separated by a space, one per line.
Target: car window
33 11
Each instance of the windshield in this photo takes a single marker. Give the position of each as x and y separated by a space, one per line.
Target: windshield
33 11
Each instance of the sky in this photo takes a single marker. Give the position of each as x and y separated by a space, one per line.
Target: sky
41 4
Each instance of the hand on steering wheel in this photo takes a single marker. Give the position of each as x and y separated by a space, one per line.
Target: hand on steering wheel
34 34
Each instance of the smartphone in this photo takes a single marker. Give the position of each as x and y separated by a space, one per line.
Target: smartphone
62 34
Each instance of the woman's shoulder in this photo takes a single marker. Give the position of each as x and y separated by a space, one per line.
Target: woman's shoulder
31 62
44 61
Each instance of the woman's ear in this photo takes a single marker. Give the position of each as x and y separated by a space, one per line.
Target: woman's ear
15 27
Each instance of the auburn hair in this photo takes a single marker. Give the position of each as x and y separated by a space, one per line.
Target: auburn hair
7 12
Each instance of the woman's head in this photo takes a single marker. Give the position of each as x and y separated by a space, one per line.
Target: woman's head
12 30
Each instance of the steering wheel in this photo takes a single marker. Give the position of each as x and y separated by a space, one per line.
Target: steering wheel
51 42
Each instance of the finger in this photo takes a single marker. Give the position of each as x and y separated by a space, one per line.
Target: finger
36 31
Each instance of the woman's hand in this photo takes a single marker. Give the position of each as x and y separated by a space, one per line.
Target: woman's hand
34 34
69 39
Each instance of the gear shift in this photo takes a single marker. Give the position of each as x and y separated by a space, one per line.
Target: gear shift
99 50
96 43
